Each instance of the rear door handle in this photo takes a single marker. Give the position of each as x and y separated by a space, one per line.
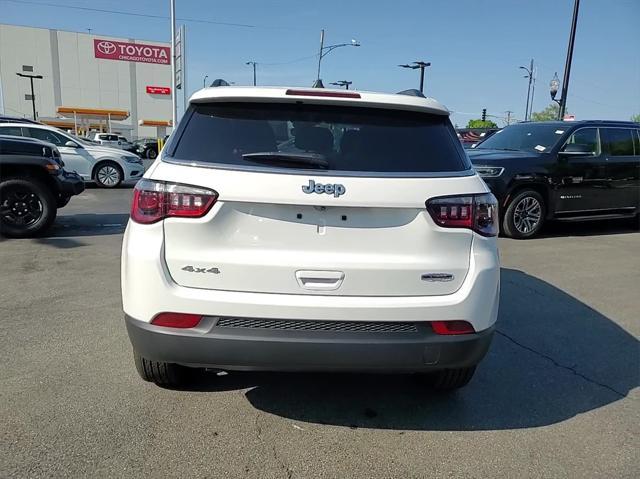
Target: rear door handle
319 280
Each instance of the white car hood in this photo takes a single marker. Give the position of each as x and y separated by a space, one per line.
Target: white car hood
105 150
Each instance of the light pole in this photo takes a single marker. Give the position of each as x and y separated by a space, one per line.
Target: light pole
324 51
204 81
529 75
554 86
254 71
567 66
33 95
343 83
414 66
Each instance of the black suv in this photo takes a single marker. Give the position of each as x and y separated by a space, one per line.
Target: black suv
33 185
562 171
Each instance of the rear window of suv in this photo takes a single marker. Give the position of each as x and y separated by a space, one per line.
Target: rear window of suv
345 139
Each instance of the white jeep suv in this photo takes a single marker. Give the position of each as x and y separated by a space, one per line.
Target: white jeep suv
311 230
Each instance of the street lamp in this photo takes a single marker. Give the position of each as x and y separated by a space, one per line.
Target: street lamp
254 71
324 51
343 83
529 75
414 66
33 95
204 81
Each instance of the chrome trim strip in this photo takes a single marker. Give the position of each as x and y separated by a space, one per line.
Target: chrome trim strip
317 172
438 277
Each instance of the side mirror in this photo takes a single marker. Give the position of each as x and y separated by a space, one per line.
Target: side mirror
71 144
577 149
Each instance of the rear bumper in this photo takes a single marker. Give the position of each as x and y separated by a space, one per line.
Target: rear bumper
242 348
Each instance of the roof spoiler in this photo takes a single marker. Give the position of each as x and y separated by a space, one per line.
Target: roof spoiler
411 92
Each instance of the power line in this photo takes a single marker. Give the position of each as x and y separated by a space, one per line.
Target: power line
147 15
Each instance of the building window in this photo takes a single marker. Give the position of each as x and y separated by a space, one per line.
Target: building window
28 97
27 68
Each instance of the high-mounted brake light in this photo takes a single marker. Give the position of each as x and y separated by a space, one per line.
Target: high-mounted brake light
176 320
323 93
452 327
476 212
154 201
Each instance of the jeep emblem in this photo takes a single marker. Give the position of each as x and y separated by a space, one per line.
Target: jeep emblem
335 189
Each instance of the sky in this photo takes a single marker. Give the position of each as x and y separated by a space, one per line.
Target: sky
475 46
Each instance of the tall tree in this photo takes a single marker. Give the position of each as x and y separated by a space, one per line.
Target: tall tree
636 118
549 113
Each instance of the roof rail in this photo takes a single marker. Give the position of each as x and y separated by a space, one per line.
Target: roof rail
411 92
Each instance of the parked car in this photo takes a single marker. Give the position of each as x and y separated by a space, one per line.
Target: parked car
580 170
367 245
33 185
127 145
147 148
107 139
471 137
108 167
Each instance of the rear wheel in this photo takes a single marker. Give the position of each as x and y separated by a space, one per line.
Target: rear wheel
161 373
108 175
27 207
525 215
151 154
450 379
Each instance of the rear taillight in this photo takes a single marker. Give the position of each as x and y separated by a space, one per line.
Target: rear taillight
452 327
154 201
476 212
176 320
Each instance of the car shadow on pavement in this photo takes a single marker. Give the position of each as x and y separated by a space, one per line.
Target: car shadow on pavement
556 229
90 224
553 357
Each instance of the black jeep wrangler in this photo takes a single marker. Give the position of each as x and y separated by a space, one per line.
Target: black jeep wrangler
33 185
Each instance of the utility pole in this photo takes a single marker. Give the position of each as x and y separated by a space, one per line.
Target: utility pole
33 95
174 98
508 112
533 91
254 71
567 66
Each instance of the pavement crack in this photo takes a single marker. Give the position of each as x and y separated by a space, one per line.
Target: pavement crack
561 366
274 452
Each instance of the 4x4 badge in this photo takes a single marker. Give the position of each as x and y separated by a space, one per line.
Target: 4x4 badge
335 189
194 269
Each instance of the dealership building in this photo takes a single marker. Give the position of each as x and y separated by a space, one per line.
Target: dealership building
88 83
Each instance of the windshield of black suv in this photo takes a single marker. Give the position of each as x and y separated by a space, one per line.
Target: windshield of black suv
326 137
536 137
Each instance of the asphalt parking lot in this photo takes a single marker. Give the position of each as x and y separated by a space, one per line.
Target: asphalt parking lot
557 395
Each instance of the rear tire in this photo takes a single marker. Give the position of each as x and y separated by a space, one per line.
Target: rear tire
27 207
161 373
525 215
450 379
151 154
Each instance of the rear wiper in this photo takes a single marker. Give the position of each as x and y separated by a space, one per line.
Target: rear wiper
288 159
